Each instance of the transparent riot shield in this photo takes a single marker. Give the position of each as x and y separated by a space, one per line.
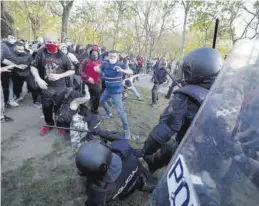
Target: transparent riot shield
217 162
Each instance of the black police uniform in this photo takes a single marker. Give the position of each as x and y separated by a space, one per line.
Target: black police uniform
124 176
182 108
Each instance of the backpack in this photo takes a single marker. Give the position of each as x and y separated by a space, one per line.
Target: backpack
64 114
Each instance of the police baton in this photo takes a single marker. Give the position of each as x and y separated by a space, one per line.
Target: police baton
177 83
73 129
68 128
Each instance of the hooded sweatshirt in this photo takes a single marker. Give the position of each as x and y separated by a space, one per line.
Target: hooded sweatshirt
87 70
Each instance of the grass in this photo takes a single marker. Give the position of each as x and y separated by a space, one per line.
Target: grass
52 179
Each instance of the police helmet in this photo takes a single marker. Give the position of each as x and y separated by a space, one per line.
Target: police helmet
93 159
201 64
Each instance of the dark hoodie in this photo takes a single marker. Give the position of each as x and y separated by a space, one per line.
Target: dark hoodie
20 58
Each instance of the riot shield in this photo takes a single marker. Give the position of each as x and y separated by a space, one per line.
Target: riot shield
217 162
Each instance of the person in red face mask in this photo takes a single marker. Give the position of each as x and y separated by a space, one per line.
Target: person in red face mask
91 77
50 68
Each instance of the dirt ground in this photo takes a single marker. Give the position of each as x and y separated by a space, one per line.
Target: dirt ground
40 171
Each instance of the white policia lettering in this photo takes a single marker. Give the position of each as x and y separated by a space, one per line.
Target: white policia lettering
126 183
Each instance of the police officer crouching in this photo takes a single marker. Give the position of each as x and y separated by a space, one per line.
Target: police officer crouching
112 171
200 67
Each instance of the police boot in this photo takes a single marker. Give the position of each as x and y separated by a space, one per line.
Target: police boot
148 180
150 147
162 157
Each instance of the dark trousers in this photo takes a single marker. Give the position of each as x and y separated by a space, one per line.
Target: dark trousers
18 82
5 79
95 94
154 92
51 101
103 86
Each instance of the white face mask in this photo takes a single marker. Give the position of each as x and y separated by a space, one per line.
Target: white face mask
68 43
11 40
113 61
64 51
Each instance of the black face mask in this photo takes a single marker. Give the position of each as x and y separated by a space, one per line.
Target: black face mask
20 53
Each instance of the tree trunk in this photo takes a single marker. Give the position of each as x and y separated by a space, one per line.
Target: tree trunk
65 15
117 29
186 11
206 38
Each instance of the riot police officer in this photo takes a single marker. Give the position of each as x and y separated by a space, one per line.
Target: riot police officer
200 68
112 172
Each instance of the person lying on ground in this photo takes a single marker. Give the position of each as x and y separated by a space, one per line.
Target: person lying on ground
113 174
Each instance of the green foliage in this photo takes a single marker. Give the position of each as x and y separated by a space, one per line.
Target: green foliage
145 28
32 16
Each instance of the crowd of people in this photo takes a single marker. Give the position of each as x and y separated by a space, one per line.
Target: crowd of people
59 74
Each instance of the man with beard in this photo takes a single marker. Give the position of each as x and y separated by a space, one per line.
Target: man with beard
23 58
50 68
199 76
91 77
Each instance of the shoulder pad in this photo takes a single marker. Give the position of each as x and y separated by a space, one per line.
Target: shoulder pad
196 92
122 147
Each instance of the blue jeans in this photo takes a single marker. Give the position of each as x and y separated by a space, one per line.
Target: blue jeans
135 91
117 101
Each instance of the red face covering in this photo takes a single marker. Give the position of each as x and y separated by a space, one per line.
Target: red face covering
51 48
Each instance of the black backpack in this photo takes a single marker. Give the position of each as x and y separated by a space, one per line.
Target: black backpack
64 114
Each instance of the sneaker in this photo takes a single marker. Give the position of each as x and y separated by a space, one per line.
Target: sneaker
37 105
153 105
18 99
13 103
107 116
141 99
127 135
61 132
6 119
45 130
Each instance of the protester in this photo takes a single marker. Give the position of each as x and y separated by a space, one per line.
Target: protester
91 77
69 45
177 117
23 58
85 54
128 83
159 78
3 117
112 73
79 50
139 64
37 45
49 68
7 83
